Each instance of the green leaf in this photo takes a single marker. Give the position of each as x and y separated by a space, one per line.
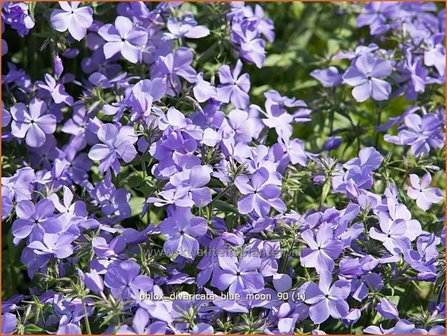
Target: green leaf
297 9
223 206
326 190
31 7
136 180
136 205
394 299
279 60
33 329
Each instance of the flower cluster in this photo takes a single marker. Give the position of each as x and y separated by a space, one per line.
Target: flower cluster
142 164
417 61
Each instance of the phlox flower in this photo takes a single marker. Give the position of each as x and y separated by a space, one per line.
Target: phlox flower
32 124
124 38
73 18
326 299
117 143
420 192
366 74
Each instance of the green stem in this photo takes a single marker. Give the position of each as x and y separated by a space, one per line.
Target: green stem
379 120
222 193
87 323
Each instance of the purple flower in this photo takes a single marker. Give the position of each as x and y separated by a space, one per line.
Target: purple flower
278 116
239 276
365 74
125 282
376 14
181 230
424 196
55 244
421 133
203 90
33 125
94 281
269 252
68 328
258 194
294 150
173 66
107 253
327 300
418 76
195 180
111 200
280 120
35 220
387 309
327 77
251 46
332 143
6 117
359 50
239 126
156 178
58 66
247 29
141 326
56 90
143 94
123 38
75 212
117 143
16 15
398 229
9 323
358 271
4 47
282 282
186 27
423 258
202 328
359 173
20 186
233 87
323 249
369 159
401 327
7 206
210 262
72 17
435 55
178 196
